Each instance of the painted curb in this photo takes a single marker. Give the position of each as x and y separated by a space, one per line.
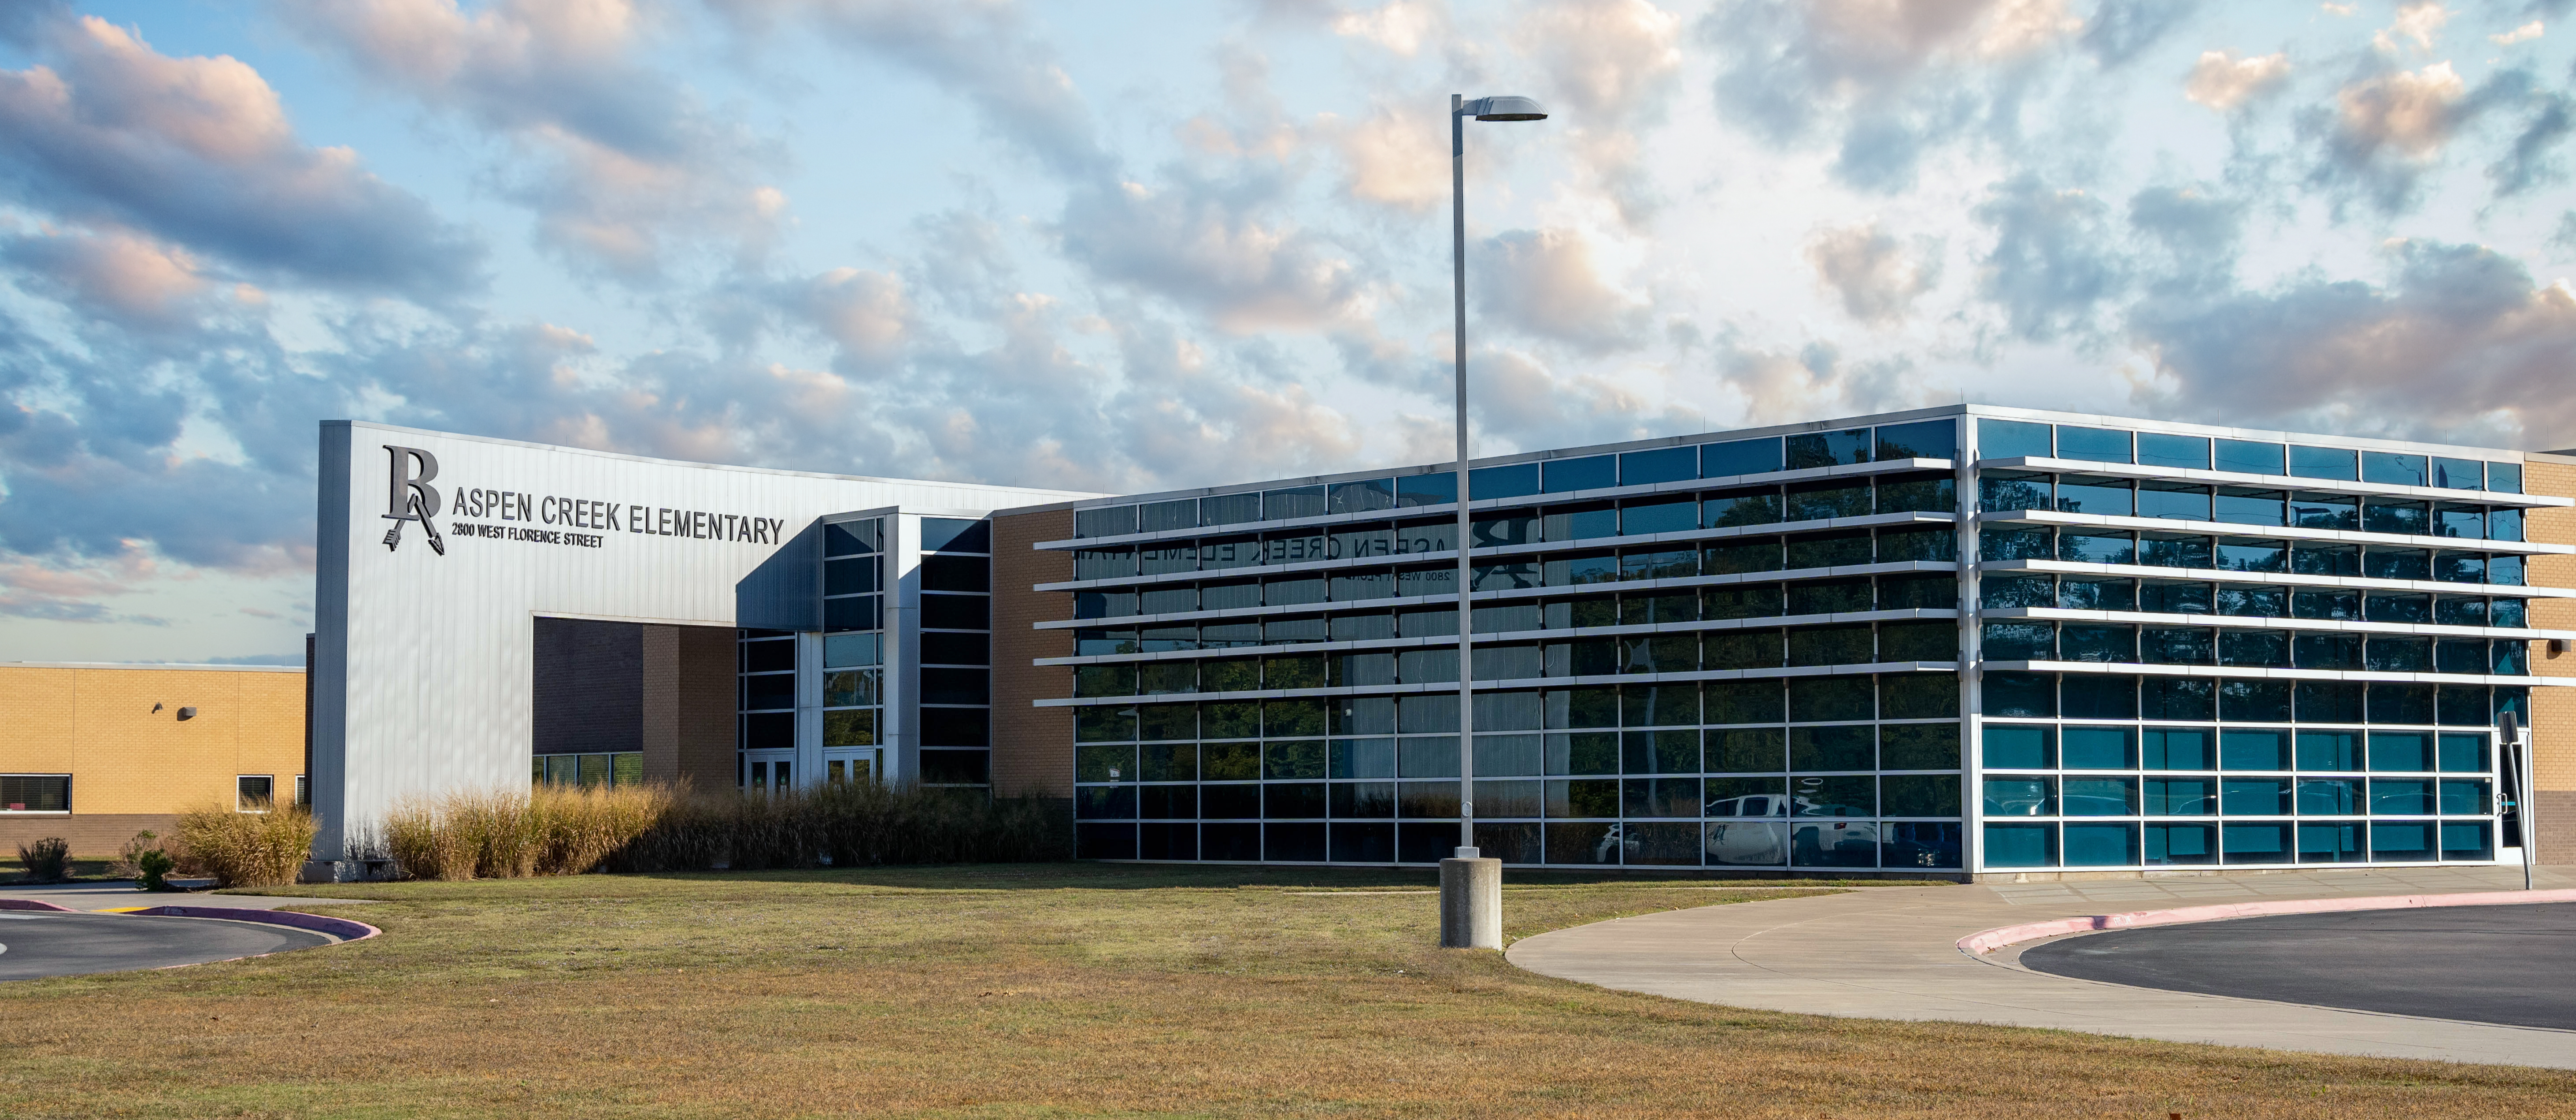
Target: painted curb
342 928
1987 941
32 904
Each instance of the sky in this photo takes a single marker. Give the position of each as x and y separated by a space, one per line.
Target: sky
1126 246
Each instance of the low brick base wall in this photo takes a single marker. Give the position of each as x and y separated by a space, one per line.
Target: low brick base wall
2555 814
92 835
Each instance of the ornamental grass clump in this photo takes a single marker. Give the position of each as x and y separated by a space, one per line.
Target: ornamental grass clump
422 845
238 849
566 830
512 834
579 828
850 825
48 860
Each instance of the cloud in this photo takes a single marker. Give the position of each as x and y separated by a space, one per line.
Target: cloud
622 165
868 315
116 276
2386 131
1396 159
1611 68
2054 261
2197 236
1401 26
2460 342
1892 79
2223 81
1781 386
1548 284
2123 30
985 52
198 152
1870 271
2523 34
2528 163
32 590
1606 60
2420 21
1201 245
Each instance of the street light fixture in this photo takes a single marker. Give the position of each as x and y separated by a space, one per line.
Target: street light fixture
1471 887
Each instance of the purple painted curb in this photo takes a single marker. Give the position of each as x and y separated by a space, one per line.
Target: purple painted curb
1987 941
342 928
32 904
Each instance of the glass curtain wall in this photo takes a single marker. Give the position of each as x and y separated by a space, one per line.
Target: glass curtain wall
1738 654
956 652
2321 662
1746 653
853 648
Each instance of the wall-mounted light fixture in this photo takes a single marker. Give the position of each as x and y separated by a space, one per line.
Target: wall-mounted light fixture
186 714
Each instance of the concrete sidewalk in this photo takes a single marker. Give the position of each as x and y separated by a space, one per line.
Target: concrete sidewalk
120 895
1892 954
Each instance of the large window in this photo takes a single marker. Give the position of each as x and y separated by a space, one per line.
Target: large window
2115 771
1817 772
35 793
623 768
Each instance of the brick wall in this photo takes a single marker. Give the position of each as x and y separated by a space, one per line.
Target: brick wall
659 674
588 693
2553 710
91 835
1032 747
133 767
704 741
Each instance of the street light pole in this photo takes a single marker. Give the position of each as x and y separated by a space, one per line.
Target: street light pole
1471 887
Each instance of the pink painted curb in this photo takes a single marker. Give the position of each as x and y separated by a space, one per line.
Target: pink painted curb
32 904
342 928
1981 943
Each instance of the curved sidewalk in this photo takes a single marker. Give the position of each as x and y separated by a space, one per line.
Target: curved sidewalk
1892 953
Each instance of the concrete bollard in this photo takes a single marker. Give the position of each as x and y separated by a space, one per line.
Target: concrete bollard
1471 902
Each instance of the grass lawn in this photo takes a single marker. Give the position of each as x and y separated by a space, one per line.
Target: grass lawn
1065 990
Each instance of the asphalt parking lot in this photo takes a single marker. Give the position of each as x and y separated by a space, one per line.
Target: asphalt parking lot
36 944
2488 964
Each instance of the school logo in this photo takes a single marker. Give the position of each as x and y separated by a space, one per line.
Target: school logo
410 497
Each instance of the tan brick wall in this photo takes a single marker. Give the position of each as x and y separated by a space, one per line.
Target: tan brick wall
1032 747
2553 710
127 760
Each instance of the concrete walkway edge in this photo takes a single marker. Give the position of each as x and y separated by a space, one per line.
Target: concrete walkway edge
1987 941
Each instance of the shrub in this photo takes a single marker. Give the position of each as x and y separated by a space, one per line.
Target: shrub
128 861
247 849
48 860
152 870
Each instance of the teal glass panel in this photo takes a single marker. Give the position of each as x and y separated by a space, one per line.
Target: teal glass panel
2099 748
2101 845
2021 845
2019 747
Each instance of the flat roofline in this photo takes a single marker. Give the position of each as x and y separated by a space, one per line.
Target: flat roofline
174 665
1998 412
1010 491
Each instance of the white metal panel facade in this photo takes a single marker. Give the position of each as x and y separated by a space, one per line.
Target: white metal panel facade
423 668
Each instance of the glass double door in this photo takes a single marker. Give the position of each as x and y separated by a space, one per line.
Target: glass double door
851 766
768 772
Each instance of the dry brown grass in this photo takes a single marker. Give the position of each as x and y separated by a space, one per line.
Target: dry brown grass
1065 990
246 849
